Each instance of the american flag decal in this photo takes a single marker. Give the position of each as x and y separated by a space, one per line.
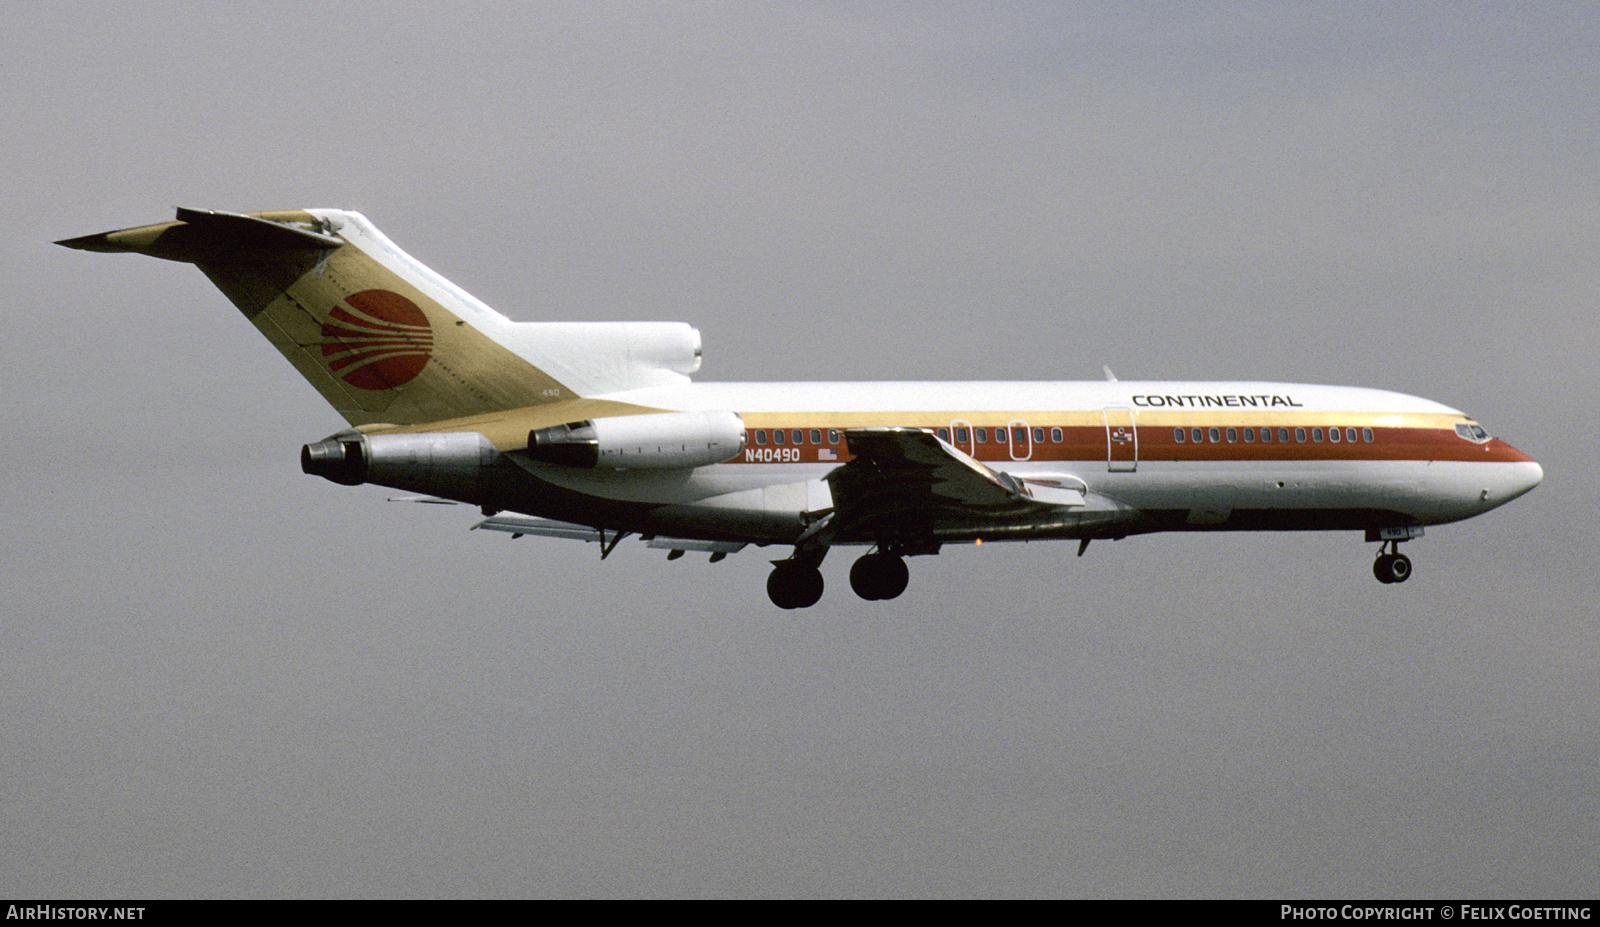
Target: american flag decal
377 340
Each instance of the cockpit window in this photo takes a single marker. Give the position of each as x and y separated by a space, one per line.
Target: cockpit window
1472 432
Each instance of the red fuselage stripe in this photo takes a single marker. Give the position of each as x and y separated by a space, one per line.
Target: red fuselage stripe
1159 444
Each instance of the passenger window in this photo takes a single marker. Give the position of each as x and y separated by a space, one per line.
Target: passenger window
799 437
1038 435
1233 435
1249 436
981 434
943 433
1216 435
761 436
1266 435
1055 435
1196 435
1019 436
816 436
1300 435
777 436
1283 435
1177 435
1316 435
1350 435
1333 435
833 436
961 436
1366 435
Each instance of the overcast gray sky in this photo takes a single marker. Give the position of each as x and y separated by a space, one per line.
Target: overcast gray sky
220 677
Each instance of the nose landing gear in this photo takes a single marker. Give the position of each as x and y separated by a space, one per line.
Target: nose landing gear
1391 565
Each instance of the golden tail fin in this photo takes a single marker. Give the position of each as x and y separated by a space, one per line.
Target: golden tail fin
385 339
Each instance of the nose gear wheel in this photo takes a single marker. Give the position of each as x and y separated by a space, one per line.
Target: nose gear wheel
1391 565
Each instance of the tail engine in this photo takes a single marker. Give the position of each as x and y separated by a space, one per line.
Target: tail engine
449 464
664 441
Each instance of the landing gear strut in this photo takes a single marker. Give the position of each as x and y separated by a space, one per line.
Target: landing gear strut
879 576
1391 565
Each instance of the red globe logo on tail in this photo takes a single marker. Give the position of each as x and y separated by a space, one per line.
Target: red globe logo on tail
377 340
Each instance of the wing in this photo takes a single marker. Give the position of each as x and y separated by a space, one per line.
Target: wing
907 482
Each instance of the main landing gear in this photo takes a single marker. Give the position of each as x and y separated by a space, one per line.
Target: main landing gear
879 576
1391 565
794 584
797 582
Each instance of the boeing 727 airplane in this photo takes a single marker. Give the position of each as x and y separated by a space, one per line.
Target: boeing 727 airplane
594 430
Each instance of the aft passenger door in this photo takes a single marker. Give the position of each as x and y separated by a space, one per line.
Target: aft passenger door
1122 440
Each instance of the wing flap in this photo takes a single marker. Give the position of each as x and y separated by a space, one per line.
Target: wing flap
518 525
1066 491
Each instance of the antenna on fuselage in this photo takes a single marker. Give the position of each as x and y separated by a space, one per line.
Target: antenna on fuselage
1109 375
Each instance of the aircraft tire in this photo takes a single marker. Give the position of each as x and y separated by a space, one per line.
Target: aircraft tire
876 577
1399 568
794 585
1380 569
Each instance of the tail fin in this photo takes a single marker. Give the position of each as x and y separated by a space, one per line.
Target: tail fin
384 338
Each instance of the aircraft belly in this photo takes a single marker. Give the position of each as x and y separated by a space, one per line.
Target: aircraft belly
1217 495
770 503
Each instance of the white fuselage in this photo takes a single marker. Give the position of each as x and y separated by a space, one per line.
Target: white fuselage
1408 464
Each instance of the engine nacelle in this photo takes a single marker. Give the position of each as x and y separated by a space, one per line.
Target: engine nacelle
447 464
605 357
663 441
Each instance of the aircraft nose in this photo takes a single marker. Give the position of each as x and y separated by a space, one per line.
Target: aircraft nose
1518 473
1512 480
1525 476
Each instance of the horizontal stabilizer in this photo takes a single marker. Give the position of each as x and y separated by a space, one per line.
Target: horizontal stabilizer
263 233
209 237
